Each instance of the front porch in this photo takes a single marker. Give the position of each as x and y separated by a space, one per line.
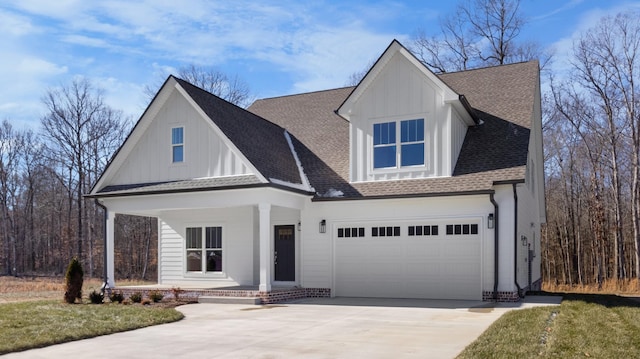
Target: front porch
276 295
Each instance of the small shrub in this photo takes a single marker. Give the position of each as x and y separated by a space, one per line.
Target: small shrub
116 296
156 296
96 297
146 301
176 293
73 281
136 297
126 302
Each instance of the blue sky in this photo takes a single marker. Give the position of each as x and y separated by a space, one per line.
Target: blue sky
277 47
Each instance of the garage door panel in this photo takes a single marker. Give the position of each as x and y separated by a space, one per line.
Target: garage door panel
443 267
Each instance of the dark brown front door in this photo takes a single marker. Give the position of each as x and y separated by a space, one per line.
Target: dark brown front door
285 253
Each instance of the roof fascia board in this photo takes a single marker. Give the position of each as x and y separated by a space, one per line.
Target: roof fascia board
407 196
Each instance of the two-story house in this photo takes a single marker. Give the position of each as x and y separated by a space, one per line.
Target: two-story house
408 185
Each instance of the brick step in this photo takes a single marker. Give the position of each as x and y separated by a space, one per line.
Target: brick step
228 300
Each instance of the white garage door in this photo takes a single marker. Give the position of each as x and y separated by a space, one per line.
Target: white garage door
424 260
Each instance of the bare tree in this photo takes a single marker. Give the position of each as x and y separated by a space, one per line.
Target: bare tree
479 33
232 89
76 122
593 172
9 152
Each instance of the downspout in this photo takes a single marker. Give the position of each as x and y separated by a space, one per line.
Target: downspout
515 241
104 210
495 246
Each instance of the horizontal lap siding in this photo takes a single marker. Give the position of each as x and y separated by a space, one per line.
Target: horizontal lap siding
171 253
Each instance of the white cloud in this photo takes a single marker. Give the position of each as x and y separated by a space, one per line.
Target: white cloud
31 66
125 44
563 47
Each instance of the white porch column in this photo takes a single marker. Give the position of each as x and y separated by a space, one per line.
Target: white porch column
111 216
264 210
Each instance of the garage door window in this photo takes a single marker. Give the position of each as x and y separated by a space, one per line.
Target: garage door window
350 232
385 231
423 230
462 229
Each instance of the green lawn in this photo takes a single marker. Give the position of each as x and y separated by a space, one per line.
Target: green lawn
27 325
584 325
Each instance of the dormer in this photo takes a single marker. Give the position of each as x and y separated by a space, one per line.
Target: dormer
404 121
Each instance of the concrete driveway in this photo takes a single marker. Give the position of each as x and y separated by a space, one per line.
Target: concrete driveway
310 328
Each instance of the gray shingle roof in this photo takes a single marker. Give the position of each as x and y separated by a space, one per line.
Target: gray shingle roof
494 151
262 142
182 186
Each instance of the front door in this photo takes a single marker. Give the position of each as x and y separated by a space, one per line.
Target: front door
285 254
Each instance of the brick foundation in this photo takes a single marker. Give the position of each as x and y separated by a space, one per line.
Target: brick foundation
488 296
275 296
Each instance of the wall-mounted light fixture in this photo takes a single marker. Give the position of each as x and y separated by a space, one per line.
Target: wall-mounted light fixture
490 221
323 226
523 238
299 226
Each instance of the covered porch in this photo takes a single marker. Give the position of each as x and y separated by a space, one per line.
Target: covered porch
221 242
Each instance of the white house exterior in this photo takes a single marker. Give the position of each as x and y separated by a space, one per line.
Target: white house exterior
409 185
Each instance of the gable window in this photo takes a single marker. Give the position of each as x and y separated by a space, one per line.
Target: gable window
204 256
384 145
407 146
412 142
177 144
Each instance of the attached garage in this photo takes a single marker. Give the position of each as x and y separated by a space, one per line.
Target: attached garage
421 259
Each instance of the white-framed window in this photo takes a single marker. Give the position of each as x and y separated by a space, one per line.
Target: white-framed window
177 144
404 147
204 249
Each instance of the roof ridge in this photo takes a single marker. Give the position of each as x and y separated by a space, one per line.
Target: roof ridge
303 93
487 67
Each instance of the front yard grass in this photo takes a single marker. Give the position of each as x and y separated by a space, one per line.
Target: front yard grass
35 324
584 325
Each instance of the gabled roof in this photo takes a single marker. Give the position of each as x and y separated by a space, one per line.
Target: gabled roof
501 99
264 144
396 48
494 151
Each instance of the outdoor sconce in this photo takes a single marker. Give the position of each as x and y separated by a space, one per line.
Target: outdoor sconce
524 240
323 226
490 221
299 226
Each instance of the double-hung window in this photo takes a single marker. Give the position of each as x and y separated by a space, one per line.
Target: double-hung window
406 147
384 145
204 255
177 144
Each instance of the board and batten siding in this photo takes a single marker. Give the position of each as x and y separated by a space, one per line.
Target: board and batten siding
205 153
401 92
458 133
